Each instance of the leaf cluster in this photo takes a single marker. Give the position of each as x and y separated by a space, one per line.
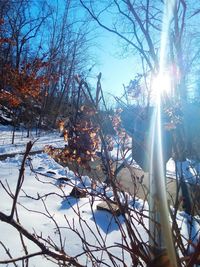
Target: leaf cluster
81 136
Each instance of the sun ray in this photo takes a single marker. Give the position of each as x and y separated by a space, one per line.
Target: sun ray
158 201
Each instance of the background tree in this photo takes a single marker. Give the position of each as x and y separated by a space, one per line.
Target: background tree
68 39
47 33
20 65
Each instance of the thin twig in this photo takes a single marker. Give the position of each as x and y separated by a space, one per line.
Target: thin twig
21 177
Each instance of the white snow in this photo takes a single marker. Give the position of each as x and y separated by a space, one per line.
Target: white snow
189 169
62 207
21 140
59 204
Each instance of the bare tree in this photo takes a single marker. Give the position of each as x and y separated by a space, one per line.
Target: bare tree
69 39
139 25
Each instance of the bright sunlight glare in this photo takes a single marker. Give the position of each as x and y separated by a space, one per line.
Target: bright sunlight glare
161 84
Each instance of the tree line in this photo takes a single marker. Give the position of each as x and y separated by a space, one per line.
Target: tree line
42 46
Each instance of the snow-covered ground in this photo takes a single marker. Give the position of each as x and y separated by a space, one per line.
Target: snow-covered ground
46 181
59 204
45 138
191 169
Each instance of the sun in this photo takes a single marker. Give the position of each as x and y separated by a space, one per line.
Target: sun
161 84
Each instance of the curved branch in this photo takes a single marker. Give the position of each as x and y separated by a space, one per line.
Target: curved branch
145 33
21 177
120 35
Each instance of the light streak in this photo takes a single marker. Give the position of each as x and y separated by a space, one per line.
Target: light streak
161 84
158 196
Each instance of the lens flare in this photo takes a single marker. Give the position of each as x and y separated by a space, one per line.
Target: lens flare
158 197
161 84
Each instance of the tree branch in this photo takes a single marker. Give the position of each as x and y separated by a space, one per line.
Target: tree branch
13 260
120 35
21 177
57 255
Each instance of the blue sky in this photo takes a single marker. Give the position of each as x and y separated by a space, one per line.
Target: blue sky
116 70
